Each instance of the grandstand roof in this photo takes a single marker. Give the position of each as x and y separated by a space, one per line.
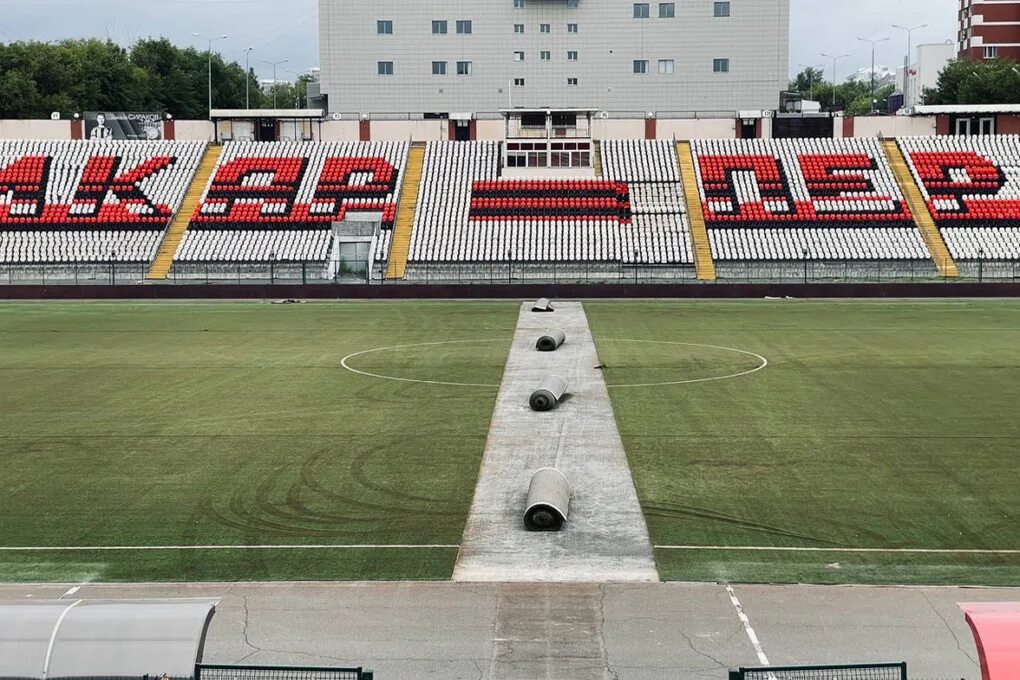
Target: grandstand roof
102 638
266 113
924 109
996 627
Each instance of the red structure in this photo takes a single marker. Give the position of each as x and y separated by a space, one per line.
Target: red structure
989 29
996 628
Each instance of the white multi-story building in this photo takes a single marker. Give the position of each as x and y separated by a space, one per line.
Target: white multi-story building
443 56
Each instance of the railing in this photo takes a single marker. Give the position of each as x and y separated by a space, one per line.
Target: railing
514 272
231 672
879 671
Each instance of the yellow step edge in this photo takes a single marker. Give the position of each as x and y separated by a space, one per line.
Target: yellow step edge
919 209
400 242
175 234
703 263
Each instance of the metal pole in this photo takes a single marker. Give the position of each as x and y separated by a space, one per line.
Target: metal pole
906 62
210 41
873 44
247 77
834 58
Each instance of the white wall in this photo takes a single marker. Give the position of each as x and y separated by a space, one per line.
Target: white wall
894 126
618 128
340 131
690 128
403 130
35 129
186 130
490 130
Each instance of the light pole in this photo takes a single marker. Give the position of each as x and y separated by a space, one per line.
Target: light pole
274 64
834 58
810 79
873 43
247 77
211 41
906 62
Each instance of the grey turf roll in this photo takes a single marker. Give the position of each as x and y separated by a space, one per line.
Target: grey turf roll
548 394
548 501
551 340
542 305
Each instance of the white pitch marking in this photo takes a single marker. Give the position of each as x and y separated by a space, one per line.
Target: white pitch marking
764 363
71 591
86 548
764 660
761 548
343 362
53 638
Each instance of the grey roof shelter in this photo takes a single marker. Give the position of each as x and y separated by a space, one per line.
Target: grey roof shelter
109 638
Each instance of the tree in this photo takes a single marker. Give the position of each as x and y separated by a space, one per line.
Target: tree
288 95
75 76
965 81
852 97
807 81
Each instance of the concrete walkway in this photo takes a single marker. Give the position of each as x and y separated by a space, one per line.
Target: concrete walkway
605 538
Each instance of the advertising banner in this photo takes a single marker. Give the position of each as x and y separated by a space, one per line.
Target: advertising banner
123 125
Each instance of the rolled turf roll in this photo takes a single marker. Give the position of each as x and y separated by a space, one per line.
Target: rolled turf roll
548 501
551 340
542 305
548 394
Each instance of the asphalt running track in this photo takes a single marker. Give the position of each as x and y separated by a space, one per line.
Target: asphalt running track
634 631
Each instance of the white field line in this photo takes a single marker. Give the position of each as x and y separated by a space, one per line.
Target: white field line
86 548
763 548
751 635
71 591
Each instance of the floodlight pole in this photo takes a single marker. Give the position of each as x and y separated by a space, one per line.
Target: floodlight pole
873 43
906 62
247 77
274 64
210 41
834 58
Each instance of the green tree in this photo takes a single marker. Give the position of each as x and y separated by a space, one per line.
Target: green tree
965 81
852 97
288 95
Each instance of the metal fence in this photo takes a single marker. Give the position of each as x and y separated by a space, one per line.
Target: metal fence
880 671
228 672
344 273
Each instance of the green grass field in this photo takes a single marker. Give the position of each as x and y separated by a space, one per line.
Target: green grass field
875 425
234 424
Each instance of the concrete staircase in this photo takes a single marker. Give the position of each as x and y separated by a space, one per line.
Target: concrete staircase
596 157
165 257
922 217
400 245
704 265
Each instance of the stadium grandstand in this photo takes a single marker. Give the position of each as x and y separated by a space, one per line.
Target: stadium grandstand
442 211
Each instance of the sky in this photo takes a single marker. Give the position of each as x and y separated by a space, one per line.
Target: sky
287 29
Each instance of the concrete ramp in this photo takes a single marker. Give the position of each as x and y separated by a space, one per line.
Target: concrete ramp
605 537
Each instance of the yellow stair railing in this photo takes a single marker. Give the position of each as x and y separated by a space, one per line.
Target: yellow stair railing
400 245
922 217
703 263
175 234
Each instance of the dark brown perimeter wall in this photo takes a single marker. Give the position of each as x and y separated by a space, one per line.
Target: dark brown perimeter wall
516 292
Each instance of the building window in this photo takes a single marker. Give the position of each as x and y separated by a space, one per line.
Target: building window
571 28
384 27
439 68
439 27
518 4
992 52
666 67
518 28
572 55
641 66
641 10
518 82
518 56
667 10
545 28
721 9
721 65
545 55
463 68
571 82
385 68
463 26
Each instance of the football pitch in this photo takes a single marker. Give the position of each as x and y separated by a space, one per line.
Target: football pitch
826 442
